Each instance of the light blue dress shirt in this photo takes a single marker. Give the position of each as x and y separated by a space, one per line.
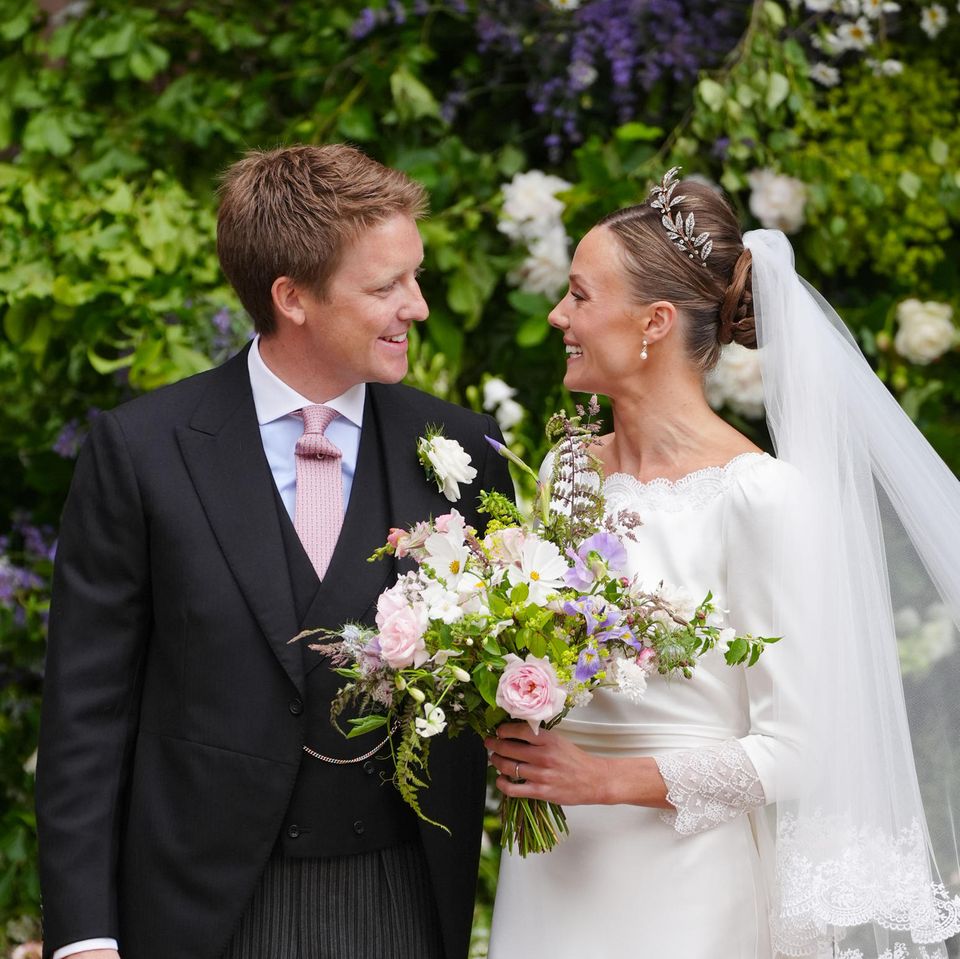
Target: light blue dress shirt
276 403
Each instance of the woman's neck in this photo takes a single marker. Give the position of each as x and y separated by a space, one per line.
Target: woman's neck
664 427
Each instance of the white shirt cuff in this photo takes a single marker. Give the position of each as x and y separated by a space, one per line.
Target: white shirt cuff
85 945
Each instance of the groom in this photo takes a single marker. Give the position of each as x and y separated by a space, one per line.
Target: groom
193 799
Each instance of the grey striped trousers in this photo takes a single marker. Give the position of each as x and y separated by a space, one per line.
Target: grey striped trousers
375 905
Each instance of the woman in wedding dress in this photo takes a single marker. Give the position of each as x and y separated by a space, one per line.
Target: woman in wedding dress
745 813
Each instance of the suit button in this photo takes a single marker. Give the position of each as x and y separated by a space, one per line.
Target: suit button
369 768
295 707
293 831
358 827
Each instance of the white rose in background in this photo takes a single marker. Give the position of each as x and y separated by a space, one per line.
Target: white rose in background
777 201
547 267
495 391
736 382
925 332
530 204
498 398
531 214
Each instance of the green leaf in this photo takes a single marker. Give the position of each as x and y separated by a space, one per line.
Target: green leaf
412 97
485 681
463 294
519 594
777 90
104 366
114 43
633 131
939 151
537 644
910 184
365 724
532 331
774 14
147 60
736 651
357 123
47 133
712 94
529 304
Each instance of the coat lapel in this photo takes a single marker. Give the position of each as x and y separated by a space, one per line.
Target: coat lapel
224 455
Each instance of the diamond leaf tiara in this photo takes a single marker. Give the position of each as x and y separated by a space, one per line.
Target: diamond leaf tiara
680 230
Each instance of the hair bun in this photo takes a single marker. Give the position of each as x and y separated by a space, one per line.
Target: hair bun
736 311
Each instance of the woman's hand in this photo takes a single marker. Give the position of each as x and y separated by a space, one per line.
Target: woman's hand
554 769
550 766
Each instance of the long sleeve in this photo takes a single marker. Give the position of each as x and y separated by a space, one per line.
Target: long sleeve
713 784
99 623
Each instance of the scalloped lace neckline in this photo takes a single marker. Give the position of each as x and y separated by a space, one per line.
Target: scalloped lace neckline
694 490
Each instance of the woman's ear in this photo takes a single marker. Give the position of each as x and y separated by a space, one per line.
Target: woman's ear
658 320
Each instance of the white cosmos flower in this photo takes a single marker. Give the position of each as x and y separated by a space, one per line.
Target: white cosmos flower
933 19
925 332
777 201
824 74
736 382
447 555
875 8
819 6
542 568
855 35
885 68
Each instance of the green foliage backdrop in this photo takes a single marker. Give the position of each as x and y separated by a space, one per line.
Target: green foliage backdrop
116 117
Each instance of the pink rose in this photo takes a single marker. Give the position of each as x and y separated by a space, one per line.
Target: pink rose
401 637
529 689
390 601
506 545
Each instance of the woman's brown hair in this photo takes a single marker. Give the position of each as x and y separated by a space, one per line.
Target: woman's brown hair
714 296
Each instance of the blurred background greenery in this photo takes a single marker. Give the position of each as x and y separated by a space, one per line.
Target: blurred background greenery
834 120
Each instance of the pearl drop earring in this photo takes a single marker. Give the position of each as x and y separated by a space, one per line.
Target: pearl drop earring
643 351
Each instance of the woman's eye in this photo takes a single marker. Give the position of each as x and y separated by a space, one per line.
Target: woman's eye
576 296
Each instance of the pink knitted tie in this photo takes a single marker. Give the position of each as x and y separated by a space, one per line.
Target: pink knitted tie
319 508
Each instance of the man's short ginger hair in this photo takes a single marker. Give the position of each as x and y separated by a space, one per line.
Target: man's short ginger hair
293 212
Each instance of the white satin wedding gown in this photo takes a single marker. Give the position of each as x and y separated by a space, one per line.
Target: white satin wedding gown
631 881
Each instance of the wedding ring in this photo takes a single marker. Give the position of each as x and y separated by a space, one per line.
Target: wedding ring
516 772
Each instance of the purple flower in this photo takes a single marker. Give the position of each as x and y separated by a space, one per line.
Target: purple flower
399 12
68 443
598 613
365 24
221 320
601 553
588 663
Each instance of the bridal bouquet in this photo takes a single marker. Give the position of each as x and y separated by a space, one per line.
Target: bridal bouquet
523 624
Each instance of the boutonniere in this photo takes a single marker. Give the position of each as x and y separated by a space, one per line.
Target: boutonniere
446 462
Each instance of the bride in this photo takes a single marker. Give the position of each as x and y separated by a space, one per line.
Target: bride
775 810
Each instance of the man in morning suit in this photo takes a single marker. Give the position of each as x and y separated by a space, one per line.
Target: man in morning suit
193 799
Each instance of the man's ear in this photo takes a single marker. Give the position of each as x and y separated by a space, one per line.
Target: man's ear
288 303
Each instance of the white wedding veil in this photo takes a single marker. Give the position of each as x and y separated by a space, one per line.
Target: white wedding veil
866 858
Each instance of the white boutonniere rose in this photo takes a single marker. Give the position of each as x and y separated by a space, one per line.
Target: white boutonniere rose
447 463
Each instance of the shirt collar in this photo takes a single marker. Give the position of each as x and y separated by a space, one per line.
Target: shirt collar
274 399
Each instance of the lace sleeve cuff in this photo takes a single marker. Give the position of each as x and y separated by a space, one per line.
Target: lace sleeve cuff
709 786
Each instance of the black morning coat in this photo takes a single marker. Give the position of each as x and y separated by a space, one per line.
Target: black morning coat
175 709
